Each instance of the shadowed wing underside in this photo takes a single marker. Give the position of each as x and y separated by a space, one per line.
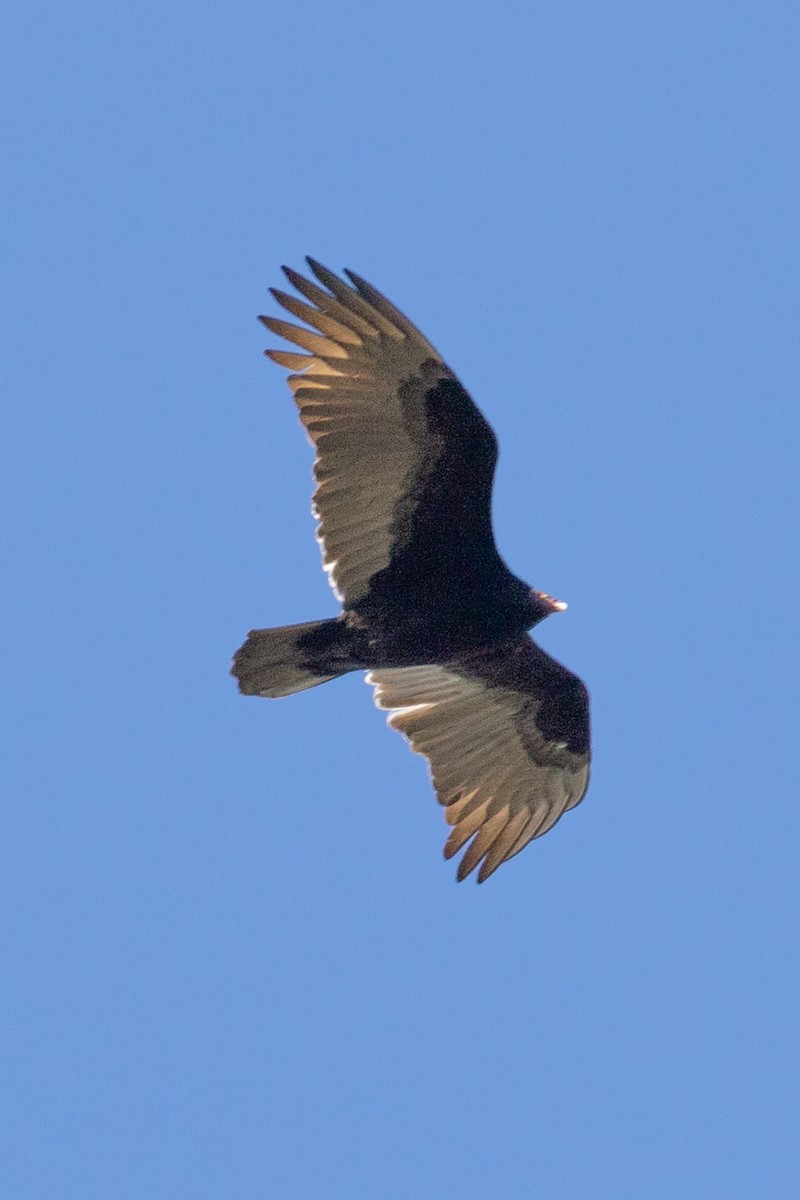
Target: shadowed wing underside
395 432
506 734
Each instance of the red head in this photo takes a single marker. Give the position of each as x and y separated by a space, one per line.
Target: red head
544 604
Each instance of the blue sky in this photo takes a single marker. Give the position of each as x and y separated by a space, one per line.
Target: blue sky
234 961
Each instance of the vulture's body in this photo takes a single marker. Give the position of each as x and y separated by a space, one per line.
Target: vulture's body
404 468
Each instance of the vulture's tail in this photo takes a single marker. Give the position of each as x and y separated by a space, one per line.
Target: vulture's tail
277 662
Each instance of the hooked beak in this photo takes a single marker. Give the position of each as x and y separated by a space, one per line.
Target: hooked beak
550 602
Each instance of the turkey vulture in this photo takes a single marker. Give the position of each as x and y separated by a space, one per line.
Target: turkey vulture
404 469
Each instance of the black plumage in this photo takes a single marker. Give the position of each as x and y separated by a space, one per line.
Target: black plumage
404 466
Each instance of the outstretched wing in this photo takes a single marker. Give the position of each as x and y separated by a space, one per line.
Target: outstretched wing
405 461
506 733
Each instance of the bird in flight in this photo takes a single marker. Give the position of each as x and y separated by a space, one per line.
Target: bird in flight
404 470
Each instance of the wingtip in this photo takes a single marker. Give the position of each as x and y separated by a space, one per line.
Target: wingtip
316 266
294 277
272 324
324 274
449 851
465 867
463 871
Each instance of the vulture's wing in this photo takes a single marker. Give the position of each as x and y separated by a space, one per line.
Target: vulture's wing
506 733
403 453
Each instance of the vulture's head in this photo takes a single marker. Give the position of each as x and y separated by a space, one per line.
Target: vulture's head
542 605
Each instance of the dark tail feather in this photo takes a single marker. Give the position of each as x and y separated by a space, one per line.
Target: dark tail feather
277 662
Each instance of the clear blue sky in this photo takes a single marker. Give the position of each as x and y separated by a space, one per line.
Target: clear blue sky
235 964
